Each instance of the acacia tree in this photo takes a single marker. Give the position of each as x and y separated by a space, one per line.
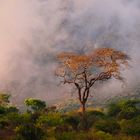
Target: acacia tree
83 71
35 104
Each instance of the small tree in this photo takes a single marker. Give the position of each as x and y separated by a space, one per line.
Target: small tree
35 104
83 71
4 99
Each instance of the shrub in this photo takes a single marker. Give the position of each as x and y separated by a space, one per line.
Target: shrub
131 127
113 109
62 129
29 132
4 123
66 136
14 118
128 113
84 136
93 116
124 109
100 135
50 120
129 109
95 113
108 126
72 121
3 110
26 118
12 109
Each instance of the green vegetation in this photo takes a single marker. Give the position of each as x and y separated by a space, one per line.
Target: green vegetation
35 104
118 121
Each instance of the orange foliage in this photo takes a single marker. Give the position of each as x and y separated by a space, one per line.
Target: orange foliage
103 59
84 70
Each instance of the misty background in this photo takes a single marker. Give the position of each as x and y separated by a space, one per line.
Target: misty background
32 32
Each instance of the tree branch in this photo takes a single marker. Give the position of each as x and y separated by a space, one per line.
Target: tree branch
101 76
79 91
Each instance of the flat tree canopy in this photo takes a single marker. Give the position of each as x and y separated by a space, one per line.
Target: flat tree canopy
84 70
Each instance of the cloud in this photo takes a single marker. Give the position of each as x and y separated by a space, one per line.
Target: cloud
32 32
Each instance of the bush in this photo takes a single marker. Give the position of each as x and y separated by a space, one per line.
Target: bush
3 110
66 136
62 129
129 109
29 132
108 126
113 109
6 110
100 135
14 118
4 123
19 119
131 127
50 120
128 113
26 118
93 116
124 109
12 109
84 136
73 121
95 113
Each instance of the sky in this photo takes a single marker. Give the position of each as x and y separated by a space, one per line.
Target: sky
33 32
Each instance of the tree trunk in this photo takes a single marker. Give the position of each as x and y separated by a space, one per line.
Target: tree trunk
84 123
83 108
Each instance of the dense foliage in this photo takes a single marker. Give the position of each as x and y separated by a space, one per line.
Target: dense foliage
119 121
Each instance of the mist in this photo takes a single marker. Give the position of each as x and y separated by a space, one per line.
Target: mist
33 32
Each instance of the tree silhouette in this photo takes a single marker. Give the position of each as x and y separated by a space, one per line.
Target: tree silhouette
83 71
